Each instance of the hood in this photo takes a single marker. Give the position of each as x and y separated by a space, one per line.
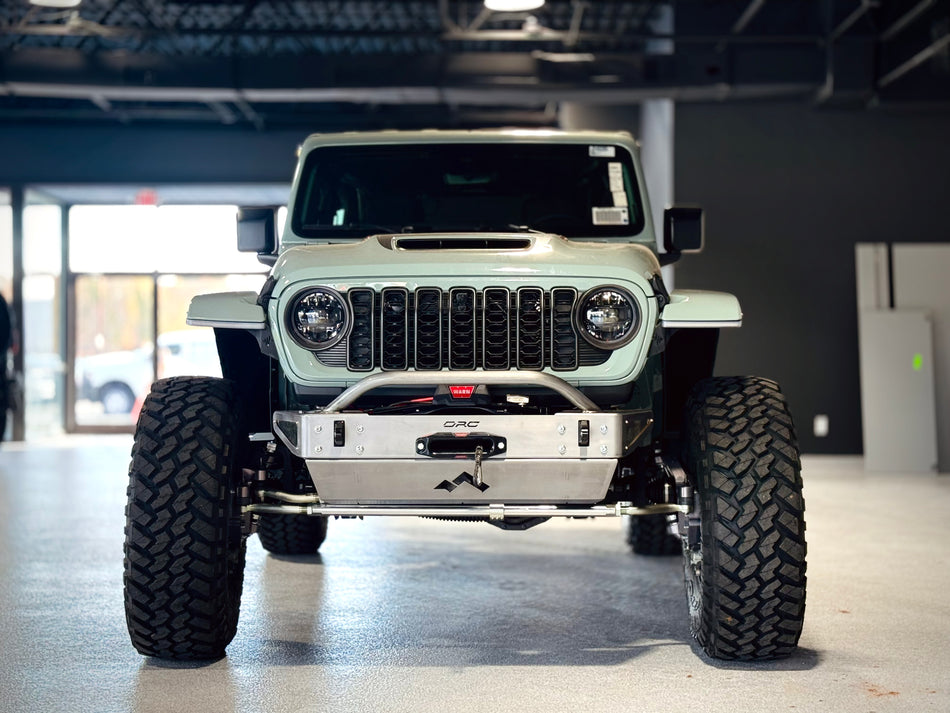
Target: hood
390 258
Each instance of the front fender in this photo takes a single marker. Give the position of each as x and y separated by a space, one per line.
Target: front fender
227 310
699 309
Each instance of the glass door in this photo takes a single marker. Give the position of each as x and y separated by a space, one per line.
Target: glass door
114 347
134 272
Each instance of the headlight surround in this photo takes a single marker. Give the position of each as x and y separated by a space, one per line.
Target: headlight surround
318 318
607 317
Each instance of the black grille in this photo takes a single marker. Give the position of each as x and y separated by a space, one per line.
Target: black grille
563 336
464 328
496 334
362 336
393 343
530 328
429 328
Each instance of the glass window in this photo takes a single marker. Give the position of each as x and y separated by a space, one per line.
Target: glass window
116 360
42 246
136 270
6 246
154 239
185 350
114 348
575 190
42 343
6 289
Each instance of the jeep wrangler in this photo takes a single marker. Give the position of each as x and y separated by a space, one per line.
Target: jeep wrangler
474 326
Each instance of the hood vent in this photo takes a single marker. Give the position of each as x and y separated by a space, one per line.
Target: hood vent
433 242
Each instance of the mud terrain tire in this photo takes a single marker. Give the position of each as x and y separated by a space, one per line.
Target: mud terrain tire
291 534
184 547
745 577
650 535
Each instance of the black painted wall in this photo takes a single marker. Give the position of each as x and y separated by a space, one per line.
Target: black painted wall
789 190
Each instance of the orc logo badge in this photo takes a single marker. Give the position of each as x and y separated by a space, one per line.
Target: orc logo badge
461 479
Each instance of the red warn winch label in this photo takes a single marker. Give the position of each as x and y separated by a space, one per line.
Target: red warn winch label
461 392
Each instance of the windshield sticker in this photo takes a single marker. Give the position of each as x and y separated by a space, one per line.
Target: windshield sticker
610 216
603 151
615 178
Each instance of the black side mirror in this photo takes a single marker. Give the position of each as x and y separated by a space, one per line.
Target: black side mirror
683 232
257 232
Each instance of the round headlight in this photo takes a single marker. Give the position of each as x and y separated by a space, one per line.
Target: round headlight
318 318
607 317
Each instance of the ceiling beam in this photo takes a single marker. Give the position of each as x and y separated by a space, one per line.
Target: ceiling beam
860 11
915 61
752 9
906 19
481 78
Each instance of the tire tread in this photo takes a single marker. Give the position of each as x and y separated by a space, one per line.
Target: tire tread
183 568
748 477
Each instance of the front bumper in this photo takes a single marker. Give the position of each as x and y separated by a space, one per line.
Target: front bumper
356 458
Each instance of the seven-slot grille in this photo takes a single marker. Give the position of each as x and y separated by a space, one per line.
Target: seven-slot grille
462 328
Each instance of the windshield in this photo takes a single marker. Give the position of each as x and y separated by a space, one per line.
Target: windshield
575 190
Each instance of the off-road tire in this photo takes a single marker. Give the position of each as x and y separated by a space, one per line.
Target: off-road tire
291 534
650 535
745 578
184 546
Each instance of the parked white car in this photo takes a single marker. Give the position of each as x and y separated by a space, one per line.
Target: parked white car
119 379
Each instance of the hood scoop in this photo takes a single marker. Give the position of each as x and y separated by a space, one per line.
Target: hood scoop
462 242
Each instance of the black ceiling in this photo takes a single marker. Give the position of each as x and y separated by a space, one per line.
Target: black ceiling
366 64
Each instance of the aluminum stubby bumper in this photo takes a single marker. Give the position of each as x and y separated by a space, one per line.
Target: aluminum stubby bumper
356 458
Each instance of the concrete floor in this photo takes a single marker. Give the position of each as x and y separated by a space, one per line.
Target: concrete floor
416 615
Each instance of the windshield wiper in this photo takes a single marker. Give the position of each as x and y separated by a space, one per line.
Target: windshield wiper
368 228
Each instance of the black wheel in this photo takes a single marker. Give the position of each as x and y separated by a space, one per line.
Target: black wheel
117 398
184 541
650 535
291 534
745 554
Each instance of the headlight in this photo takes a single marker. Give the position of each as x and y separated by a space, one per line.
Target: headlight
318 318
607 317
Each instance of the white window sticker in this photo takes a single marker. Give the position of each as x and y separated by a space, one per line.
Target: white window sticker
610 216
603 151
620 198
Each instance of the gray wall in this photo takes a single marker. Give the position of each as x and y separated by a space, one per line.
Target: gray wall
789 190
142 154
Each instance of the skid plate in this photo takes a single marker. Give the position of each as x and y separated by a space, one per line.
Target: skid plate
424 482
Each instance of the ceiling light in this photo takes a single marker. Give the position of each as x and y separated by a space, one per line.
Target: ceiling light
57 4
513 5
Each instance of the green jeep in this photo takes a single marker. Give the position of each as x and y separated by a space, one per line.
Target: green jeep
468 325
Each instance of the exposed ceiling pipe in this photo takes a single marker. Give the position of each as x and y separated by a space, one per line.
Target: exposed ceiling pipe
492 95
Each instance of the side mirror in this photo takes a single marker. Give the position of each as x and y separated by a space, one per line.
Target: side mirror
257 232
683 232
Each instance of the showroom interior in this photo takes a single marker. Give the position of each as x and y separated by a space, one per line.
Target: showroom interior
816 137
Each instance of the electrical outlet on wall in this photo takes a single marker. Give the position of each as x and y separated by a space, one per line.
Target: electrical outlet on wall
820 425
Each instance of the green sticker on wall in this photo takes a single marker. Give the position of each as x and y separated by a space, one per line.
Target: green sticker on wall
918 362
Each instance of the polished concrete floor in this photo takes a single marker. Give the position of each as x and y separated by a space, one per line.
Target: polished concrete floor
417 615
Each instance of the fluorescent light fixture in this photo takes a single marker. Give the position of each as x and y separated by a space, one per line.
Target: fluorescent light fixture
513 5
56 4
